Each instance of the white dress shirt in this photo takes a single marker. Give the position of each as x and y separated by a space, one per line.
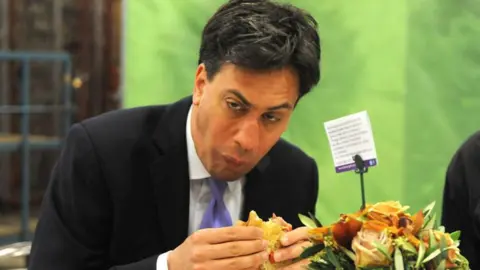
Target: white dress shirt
200 194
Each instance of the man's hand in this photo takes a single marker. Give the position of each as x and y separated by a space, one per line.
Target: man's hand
223 248
293 243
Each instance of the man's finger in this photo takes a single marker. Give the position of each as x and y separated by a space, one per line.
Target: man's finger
291 252
234 249
297 235
297 266
252 261
229 234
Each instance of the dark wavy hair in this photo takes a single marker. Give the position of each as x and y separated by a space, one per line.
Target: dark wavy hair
263 35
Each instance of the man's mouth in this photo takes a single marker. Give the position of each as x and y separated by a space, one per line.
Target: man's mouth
236 162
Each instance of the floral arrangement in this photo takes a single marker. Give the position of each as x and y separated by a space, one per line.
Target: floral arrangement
383 236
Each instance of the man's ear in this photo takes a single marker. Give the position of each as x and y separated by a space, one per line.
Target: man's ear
199 84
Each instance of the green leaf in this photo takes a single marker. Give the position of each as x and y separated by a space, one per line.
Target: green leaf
383 250
428 209
430 223
398 259
311 251
436 253
455 235
421 254
349 253
405 245
443 242
432 242
432 255
442 265
375 268
456 243
462 261
307 221
443 246
315 219
332 258
320 265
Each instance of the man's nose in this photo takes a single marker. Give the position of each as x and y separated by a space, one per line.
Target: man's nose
248 135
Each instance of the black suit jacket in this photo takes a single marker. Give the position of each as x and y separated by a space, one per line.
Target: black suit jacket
119 194
461 199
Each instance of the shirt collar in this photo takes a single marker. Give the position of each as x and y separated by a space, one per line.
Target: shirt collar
195 166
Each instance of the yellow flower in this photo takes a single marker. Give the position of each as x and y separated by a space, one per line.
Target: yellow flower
366 253
388 208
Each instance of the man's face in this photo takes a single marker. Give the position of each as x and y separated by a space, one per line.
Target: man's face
239 115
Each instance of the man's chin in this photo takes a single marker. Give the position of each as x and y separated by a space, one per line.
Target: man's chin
228 176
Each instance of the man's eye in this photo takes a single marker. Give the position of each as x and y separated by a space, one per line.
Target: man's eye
271 117
234 106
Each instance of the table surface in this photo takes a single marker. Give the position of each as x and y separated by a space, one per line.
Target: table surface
17 138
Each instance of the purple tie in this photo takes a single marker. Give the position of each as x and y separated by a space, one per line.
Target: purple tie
217 214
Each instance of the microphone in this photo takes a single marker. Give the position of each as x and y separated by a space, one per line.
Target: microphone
359 163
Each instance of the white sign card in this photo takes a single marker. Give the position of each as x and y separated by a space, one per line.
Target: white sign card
348 136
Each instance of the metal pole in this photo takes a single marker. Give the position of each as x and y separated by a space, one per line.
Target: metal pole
25 125
57 66
67 65
4 26
4 97
4 38
98 43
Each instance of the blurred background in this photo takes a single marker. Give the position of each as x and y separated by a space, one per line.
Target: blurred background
59 63
414 65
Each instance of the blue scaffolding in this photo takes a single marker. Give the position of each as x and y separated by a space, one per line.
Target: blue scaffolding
26 142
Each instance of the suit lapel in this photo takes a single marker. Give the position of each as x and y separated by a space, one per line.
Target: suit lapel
169 174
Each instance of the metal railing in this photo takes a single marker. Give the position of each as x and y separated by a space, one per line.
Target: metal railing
25 141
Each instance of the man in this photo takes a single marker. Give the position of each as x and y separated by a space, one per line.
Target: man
461 198
160 187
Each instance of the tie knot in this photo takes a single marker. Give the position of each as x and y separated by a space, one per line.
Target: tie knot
217 188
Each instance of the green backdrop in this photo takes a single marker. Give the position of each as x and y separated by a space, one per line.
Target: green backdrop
413 65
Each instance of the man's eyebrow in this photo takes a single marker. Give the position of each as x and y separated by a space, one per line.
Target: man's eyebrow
285 105
247 103
240 96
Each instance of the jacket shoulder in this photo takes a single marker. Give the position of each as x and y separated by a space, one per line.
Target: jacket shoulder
124 119
120 130
288 153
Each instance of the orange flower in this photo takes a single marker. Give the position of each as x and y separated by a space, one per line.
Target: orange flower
411 224
381 218
375 225
418 219
343 231
413 240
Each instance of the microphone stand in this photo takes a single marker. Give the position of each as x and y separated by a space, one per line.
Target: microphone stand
361 169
